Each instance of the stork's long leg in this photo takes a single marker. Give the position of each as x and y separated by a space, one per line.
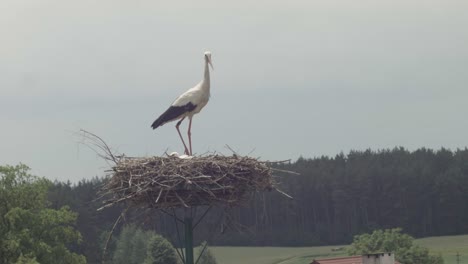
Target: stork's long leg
180 135
190 134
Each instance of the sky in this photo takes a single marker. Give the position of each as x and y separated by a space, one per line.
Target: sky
292 78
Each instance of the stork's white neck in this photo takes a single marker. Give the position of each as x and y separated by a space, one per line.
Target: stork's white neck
206 78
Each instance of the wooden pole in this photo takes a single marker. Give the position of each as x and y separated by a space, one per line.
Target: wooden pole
188 240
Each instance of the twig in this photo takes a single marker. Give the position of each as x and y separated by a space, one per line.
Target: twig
201 253
165 182
93 141
201 217
110 235
283 193
285 171
233 152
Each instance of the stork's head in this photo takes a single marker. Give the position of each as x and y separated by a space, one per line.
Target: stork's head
208 58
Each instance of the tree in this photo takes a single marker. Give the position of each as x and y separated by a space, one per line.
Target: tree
94 225
423 191
136 246
160 251
125 246
31 232
26 260
392 240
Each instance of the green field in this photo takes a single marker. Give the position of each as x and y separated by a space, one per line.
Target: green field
448 246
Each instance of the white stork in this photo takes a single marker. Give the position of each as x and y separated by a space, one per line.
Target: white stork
188 104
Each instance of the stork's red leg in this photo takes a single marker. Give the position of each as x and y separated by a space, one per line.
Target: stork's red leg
180 135
190 134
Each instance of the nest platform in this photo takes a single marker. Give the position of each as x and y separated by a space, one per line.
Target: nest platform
171 182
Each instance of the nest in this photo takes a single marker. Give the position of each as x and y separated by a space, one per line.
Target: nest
169 182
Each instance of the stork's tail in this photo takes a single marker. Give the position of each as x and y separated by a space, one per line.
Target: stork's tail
157 123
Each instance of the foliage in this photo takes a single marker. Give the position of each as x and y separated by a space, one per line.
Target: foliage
26 260
392 240
31 232
160 251
93 225
422 191
207 257
136 246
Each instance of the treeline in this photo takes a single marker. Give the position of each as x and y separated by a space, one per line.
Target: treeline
425 192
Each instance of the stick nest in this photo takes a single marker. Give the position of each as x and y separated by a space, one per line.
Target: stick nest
168 182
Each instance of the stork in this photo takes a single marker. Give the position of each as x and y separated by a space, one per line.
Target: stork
188 104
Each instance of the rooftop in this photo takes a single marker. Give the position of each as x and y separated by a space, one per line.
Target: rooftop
342 260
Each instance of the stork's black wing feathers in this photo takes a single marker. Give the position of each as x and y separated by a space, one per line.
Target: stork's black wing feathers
173 113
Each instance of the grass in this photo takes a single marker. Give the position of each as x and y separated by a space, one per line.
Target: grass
271 255
448 246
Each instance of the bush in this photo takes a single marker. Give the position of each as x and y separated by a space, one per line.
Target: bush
160 251
392 240
136 246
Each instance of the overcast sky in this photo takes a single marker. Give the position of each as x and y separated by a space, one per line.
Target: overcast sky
291 78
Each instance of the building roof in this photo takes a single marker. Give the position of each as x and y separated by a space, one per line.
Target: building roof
342 260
